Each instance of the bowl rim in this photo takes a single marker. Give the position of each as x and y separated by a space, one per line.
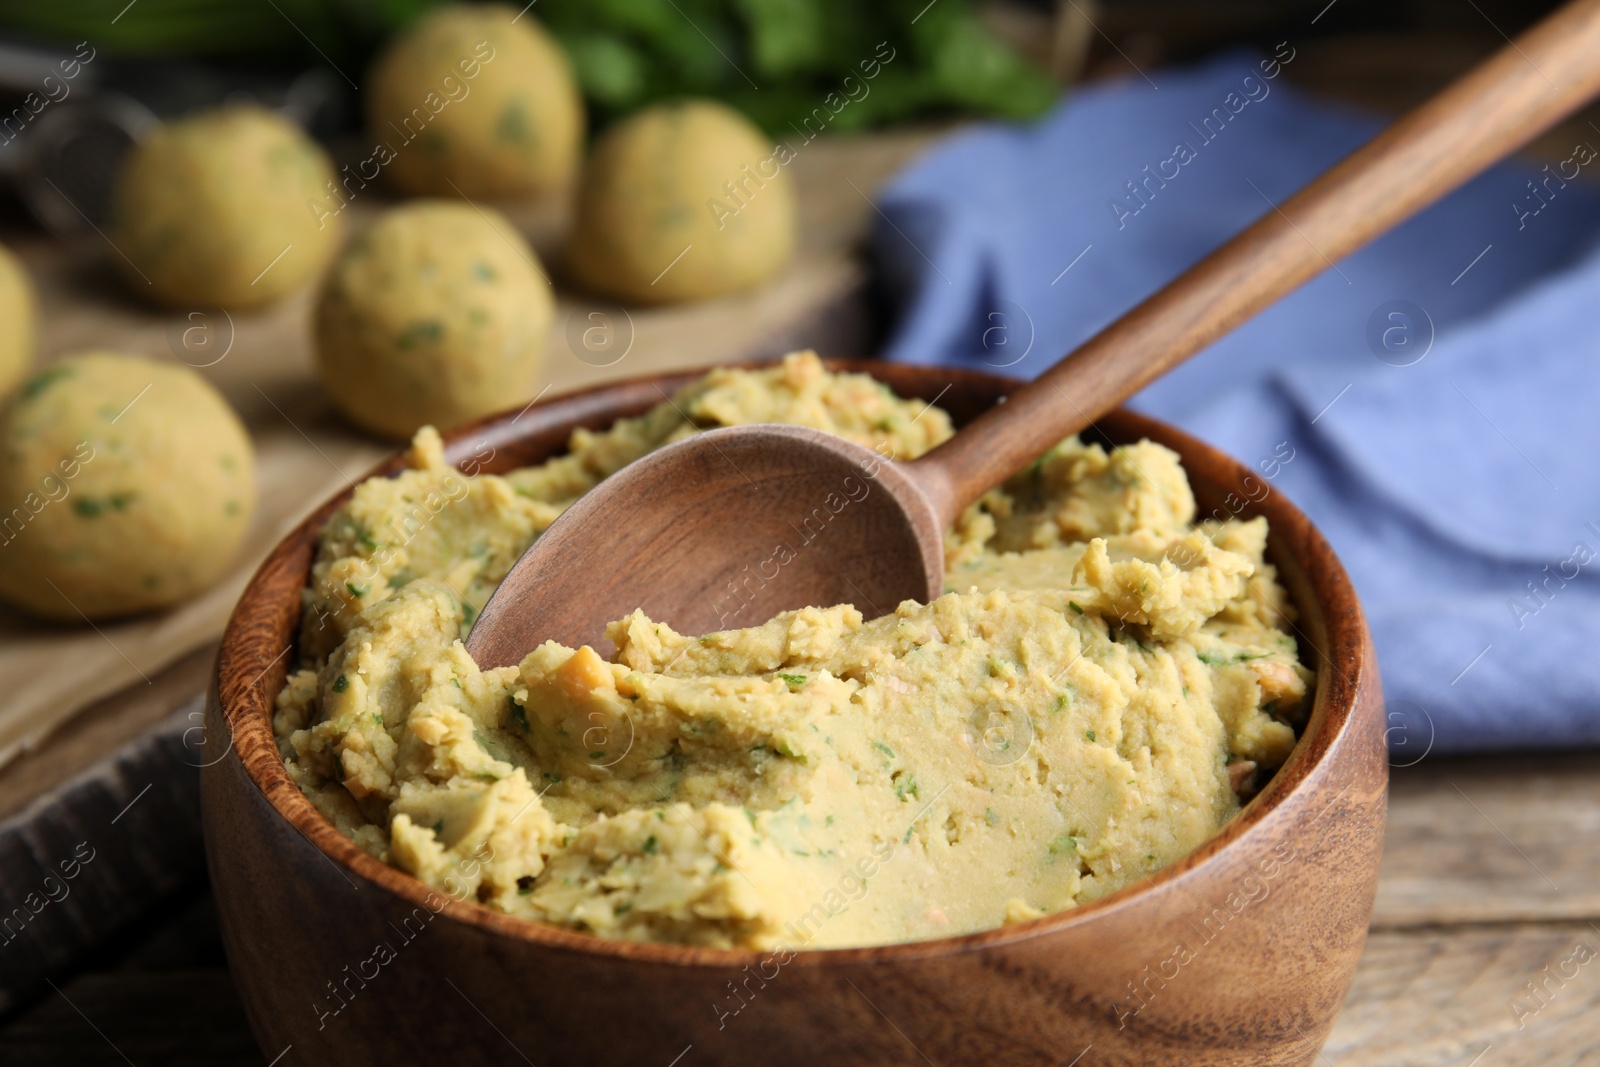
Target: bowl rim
246 707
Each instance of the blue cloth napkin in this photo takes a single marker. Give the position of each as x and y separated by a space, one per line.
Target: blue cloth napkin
1439 390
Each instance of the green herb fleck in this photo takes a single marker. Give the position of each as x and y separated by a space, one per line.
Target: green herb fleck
906 785
991 816
1064 843
1238 657
650 845
552 777
796 681
427 331
885 749
90 508
44 380
1075 606
340 684
356 590
513 124
493 746
1089 734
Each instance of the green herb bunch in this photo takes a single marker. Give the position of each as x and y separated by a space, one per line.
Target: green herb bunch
777 60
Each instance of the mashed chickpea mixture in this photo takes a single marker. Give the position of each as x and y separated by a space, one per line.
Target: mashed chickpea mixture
1083 706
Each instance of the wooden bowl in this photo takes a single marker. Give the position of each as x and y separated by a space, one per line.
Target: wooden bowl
1240 953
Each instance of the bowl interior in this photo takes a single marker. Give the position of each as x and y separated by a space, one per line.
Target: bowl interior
258 646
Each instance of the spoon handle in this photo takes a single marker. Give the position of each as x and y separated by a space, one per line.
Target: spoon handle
1522 90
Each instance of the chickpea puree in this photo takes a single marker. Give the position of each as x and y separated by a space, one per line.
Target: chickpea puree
1084 705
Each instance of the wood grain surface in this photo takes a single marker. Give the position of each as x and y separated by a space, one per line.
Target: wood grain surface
1490 839
1461 997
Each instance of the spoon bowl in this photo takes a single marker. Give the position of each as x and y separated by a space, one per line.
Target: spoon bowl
722 530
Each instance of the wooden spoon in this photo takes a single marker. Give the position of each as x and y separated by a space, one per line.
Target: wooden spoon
732 526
